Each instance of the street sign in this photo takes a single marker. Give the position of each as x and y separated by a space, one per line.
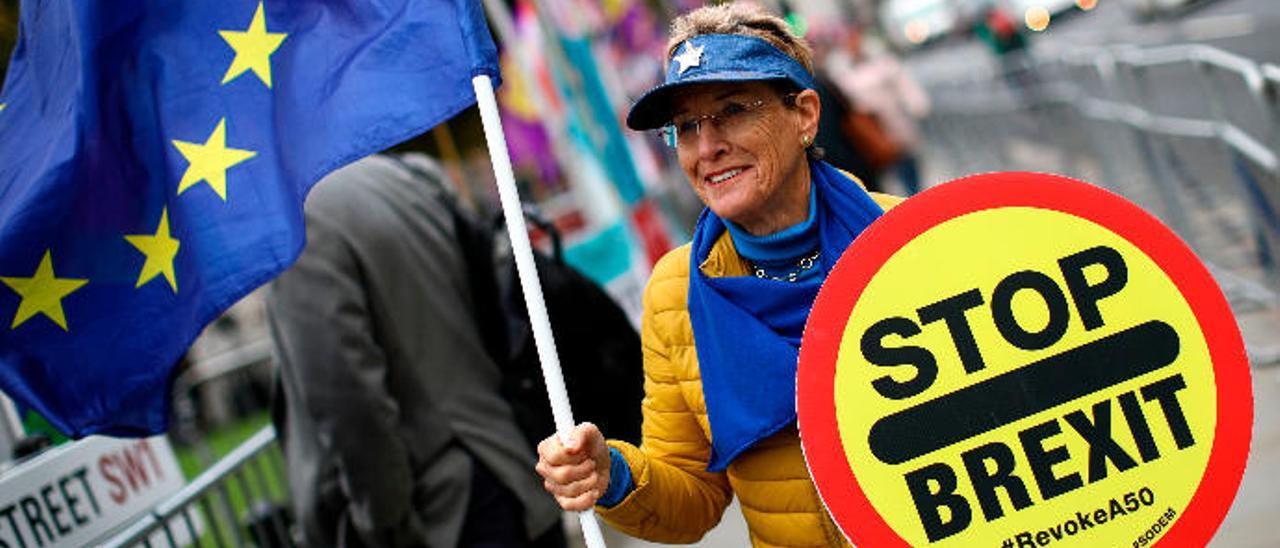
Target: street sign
72 494
1023 360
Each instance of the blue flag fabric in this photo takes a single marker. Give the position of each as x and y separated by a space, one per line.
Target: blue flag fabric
154 156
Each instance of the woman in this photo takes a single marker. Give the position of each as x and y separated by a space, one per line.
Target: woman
719 417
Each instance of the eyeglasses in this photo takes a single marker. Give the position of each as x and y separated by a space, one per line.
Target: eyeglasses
684 130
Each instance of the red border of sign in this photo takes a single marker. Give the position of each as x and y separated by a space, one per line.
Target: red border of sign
815 403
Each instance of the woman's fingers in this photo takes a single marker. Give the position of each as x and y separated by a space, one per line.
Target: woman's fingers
566 473
575 473
590 483
552 452
580 503
588 440
586 436
584 441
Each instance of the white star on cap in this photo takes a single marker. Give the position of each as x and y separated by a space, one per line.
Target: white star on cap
690 57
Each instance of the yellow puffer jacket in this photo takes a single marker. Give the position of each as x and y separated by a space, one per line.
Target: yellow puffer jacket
676 500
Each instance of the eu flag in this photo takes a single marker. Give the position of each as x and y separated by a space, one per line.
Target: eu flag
154 155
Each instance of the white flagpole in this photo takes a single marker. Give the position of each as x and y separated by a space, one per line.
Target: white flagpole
533 301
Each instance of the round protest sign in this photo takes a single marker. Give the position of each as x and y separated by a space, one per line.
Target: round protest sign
1023 360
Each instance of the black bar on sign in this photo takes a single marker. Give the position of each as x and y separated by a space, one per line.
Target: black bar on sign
1023 392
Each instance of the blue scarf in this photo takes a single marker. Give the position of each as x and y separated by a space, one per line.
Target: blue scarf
748 330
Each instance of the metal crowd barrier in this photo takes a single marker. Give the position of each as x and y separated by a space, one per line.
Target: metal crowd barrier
227 365
1189 132
240 501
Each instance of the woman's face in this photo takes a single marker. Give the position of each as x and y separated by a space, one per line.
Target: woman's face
743 151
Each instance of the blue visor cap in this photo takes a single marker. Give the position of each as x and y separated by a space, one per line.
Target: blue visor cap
715 58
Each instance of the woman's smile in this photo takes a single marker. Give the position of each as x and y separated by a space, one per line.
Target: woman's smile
723 176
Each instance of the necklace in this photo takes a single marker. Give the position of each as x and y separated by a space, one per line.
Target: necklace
805 263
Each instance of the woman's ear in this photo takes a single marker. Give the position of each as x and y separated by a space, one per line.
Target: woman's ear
809 108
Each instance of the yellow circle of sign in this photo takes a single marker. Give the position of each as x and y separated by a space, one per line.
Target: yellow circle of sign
1022 360
1090 445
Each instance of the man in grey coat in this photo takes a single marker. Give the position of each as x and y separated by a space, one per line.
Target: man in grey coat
391 422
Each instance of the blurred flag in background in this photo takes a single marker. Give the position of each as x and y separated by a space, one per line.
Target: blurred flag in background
154 156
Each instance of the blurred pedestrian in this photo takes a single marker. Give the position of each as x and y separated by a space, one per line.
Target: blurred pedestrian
837 144
882 90
997 29
833 136
1002 35
391 419
719 414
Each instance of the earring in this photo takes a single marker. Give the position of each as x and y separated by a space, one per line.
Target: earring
806 141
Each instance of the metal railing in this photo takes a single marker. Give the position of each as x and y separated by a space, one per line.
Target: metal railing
238 361
1189 132
239 501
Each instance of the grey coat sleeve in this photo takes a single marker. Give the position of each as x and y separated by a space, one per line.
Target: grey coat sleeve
327 347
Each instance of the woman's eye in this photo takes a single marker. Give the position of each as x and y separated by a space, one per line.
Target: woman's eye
732 109
687 126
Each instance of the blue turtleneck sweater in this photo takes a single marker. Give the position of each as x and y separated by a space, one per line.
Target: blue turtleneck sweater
779 254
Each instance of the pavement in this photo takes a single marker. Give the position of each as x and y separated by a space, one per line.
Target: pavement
1249 523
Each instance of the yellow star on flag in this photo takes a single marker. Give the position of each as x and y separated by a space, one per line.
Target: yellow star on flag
160 249
209 162
254 47
42 293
